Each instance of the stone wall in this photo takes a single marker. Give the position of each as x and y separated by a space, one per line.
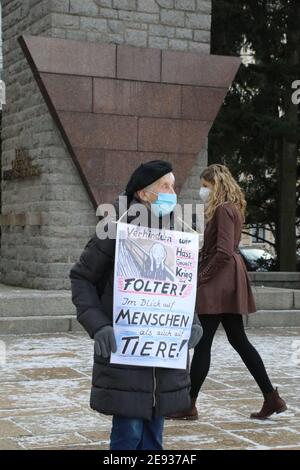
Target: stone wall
60 218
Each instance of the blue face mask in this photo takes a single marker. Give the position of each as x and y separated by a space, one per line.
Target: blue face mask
164 204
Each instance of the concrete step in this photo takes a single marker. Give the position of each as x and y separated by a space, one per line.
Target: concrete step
54 304
38 324
278 318
67 323
28 311
269 298
278 279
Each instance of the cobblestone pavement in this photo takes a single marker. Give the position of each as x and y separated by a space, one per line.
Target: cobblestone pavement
45 386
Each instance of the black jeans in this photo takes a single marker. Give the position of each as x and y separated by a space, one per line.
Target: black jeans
234 328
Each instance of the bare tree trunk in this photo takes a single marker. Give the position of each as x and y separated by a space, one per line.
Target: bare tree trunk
288 161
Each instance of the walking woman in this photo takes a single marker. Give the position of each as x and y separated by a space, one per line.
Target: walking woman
224 294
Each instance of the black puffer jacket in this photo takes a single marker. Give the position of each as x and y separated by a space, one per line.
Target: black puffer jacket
128 391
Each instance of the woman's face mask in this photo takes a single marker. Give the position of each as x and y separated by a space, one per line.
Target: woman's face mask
164 204
204 194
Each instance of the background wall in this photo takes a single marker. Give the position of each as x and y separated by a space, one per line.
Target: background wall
50 217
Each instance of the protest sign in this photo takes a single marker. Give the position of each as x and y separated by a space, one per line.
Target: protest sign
154 295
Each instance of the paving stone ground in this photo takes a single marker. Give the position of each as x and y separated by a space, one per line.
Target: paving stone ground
45 386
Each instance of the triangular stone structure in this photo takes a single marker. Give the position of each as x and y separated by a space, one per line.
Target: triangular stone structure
118 106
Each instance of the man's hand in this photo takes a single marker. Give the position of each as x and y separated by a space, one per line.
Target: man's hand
196 332
105 341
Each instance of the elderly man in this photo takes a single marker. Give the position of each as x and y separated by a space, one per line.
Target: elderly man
137 397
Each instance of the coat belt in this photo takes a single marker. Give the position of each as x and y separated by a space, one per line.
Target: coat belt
206 253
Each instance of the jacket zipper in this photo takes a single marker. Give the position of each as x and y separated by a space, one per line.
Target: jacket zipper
154 388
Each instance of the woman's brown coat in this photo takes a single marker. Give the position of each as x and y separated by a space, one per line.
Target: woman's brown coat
223 283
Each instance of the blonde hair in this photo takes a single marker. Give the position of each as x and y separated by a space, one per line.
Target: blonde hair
225 189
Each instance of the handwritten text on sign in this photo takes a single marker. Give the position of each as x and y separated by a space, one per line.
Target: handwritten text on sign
154 296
